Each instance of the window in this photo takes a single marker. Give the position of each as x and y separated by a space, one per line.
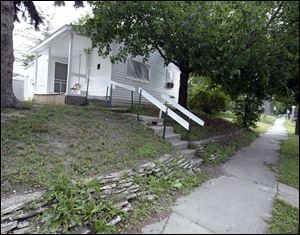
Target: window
60 77
170 76
138 70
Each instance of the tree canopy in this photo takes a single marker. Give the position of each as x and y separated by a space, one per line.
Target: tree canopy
240 45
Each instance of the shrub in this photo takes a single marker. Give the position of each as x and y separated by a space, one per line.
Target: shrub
208 100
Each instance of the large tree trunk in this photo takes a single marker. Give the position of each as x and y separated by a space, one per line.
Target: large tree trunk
297 124
7 54
183 88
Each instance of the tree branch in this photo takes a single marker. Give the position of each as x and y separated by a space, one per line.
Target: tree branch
254 35
165 58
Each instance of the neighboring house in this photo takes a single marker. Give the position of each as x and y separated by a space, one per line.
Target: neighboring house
18 85
267 107
62 65
23 87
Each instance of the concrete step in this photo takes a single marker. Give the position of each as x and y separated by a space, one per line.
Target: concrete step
173 137
160 129
190 153
180 144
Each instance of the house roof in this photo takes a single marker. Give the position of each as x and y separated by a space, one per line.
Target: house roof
57 33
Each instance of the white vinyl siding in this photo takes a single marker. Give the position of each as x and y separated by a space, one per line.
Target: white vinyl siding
157 77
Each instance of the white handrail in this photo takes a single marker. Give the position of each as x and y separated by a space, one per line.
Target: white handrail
131 88
164 108
183 110
108 83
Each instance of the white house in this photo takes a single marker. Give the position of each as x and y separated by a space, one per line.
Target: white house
18 85
63 67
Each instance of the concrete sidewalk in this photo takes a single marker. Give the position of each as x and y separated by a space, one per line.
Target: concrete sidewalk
239 201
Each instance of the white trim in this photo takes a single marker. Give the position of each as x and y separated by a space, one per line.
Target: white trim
65 28
49 67
36 71
69 64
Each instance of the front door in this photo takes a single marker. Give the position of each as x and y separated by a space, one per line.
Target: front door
60 77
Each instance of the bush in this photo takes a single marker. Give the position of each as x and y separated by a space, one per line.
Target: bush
247 111
208 100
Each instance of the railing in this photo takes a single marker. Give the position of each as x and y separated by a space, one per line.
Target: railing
110 86
189 114
163 108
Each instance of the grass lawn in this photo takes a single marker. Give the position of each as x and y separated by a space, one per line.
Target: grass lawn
212 126
39 144
225 151
289 159
285 219
265 123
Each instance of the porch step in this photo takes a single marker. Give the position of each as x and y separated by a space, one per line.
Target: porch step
160 129
189 153
180 144
173 137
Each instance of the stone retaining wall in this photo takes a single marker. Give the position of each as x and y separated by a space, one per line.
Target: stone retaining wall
16 219
200 146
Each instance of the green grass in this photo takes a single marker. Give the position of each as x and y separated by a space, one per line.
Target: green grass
225 151
290 126
76 140
285 219
212 126
265 121
81 202
289 159
264 124
229 116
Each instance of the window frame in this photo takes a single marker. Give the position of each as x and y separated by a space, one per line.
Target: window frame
136 79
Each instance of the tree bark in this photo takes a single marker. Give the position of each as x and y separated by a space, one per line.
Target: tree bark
183 88
8 99
297 124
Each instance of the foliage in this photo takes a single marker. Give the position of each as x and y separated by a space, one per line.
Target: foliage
75 204
230 42
27 59
210 101
225 151
285 219
203 96
247 111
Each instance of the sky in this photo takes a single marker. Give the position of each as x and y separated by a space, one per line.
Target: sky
24 35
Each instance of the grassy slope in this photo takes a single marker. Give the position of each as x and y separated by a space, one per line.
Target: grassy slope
264 123
79 141
212 126
289 160
285 218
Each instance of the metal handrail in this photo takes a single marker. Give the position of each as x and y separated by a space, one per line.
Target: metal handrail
189 114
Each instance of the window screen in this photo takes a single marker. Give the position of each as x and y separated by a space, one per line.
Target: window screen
170 76
137 70
61 71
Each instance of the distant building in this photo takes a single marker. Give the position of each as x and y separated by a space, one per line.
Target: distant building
267 107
